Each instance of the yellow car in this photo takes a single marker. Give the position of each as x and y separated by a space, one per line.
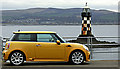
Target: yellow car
43 46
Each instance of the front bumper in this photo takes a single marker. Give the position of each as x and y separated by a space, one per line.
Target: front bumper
87 56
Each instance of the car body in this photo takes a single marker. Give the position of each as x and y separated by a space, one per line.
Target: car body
43 46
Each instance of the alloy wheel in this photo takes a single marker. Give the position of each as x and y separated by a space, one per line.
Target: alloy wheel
77 57
17 58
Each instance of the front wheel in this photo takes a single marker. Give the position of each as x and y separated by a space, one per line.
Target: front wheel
16 58
76 57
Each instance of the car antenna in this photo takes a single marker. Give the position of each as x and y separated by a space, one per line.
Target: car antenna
18 30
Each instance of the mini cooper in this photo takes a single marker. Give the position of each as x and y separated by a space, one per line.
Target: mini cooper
43 46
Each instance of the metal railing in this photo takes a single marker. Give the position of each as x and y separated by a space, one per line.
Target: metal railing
89 43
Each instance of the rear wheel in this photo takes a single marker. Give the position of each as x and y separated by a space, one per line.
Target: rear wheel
76 57
16 58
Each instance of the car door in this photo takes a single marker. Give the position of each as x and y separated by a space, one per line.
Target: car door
47 48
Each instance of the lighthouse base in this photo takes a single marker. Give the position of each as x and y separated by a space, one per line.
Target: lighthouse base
85 39
89 39
86 36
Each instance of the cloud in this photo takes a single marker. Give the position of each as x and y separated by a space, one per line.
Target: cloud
22 4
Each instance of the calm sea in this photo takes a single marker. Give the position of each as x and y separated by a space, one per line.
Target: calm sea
66 31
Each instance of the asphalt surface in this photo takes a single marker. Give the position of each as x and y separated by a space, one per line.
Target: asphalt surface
105 64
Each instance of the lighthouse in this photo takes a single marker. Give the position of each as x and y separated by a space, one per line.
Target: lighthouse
86 22
86 30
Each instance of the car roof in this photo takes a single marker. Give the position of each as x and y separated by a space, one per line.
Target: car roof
33 32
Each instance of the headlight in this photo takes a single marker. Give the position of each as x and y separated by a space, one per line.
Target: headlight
86 47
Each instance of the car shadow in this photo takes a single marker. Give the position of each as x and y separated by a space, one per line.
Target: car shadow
44 63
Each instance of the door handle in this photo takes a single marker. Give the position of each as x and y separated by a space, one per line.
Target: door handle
69 46
38 45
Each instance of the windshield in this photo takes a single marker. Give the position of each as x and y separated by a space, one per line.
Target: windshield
61 38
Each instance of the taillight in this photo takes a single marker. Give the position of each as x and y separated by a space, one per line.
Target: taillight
8 45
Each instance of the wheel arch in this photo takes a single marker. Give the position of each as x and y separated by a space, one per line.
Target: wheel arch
17 51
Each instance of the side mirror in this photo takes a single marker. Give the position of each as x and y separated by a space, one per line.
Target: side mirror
58 42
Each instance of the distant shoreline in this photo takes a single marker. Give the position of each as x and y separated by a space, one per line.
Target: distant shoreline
52 25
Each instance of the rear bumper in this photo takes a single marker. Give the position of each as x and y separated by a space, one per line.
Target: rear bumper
5 55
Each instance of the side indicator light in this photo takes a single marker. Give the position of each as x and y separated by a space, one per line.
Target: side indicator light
8 46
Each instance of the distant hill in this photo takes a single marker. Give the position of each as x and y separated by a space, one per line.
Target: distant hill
54 16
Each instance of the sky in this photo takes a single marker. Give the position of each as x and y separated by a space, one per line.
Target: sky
111 5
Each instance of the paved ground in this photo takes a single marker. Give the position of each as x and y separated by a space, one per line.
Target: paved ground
106 64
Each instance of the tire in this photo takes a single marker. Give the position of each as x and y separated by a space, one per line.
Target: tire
76 57
17 58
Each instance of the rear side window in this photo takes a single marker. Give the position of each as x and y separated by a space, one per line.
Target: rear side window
24 37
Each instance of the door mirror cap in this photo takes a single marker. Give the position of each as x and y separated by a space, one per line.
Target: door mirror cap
58 42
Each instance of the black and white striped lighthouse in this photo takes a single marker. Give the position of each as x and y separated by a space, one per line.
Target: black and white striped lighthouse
86 21
86 28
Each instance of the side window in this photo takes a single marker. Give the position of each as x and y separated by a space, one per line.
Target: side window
24 37
45 38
